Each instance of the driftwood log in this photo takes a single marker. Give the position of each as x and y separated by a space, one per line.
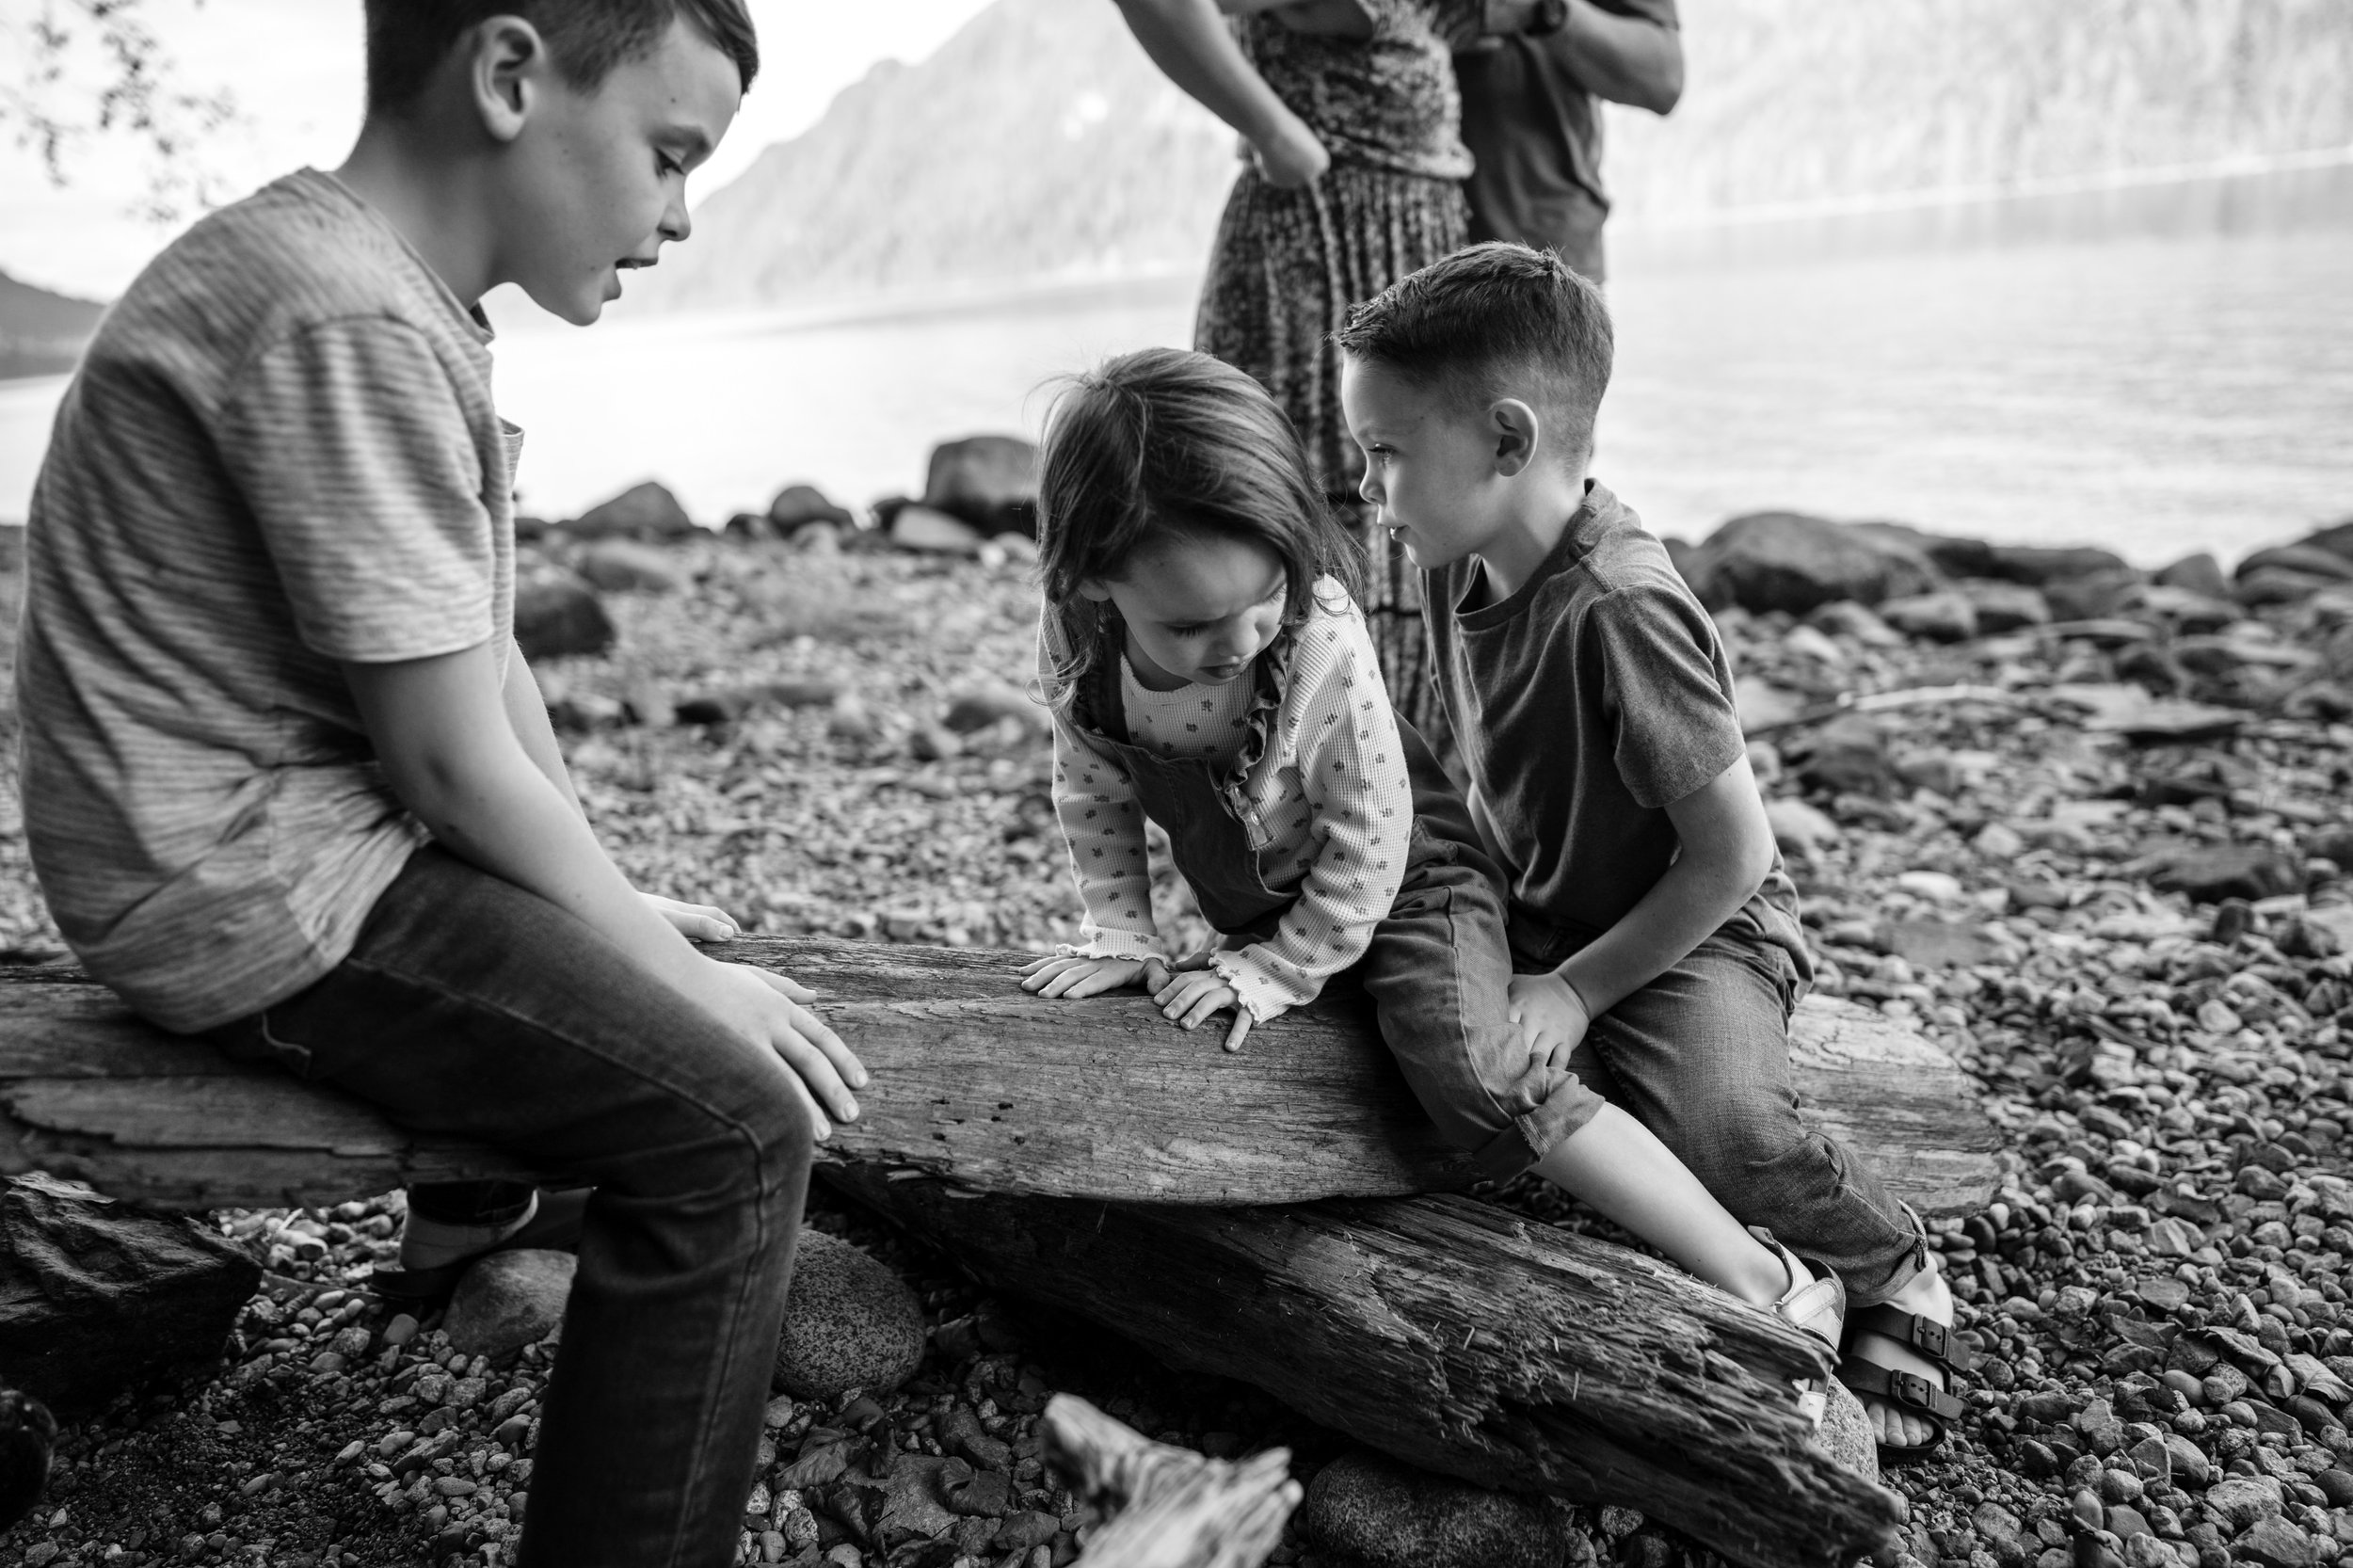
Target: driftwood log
974 1080
1456 1337
1169 1507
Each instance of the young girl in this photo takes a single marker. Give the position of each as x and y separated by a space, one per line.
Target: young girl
1207 668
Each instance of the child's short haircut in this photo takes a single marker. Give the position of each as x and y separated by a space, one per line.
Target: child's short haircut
1484 318
406 39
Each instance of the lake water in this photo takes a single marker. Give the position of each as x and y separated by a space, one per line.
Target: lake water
2159 370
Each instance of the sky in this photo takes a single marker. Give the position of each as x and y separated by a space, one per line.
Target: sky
296 70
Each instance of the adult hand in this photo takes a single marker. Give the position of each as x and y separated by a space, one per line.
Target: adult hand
1194 997
697 922
1073 978
1293 158
1551 1015
767 1008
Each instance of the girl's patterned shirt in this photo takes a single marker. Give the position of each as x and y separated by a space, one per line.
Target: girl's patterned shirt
1331 809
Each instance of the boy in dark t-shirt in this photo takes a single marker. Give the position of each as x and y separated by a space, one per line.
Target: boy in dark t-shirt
1653 928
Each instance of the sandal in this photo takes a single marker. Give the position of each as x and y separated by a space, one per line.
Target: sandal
1935 1342
1818 1307
554 1225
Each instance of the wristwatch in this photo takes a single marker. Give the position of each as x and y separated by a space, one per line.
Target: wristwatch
1552 16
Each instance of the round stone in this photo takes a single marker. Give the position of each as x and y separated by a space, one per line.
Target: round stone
849 1322
1369 1509
508 1300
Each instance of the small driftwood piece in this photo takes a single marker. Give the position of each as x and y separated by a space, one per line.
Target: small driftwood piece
1456 1337
1169 1507
973 1080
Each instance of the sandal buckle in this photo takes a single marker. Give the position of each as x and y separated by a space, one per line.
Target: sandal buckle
1909 1388
1930 1337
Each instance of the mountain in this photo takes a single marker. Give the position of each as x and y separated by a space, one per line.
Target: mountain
40 332
1040 142
1037 142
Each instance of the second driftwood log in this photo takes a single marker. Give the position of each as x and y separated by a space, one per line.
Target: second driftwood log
974 1080
1456 1337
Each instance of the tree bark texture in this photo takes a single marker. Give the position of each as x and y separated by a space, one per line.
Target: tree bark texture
974 1080
1456 1337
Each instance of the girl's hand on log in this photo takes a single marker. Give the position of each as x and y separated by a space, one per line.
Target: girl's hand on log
697 922
1196 996
1073 978
1551 1015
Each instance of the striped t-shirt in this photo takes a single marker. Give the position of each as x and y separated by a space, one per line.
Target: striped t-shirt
280 455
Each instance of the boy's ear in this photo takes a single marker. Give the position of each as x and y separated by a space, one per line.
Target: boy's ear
506 68
1516 432
1095 591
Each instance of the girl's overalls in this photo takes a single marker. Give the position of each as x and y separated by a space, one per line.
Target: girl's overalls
1438 969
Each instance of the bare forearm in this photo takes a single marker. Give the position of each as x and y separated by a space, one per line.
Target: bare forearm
503 816
1682 909
1625 59
528 712
1190 44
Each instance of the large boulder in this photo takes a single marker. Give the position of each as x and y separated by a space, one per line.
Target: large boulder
2005 606
795 506
96 1296
1369 1511
624 565
2308 558
1790 561
560 615
849 1322
2093 596
1951 555
932 531
1944 617
643 511
2201 574
2039 564
507 1300
2337 538
987 481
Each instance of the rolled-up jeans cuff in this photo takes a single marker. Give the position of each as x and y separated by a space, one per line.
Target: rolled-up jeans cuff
1902 1269
471 1202
1527 1139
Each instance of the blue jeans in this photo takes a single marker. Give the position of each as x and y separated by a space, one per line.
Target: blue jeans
1701 1056
471 1009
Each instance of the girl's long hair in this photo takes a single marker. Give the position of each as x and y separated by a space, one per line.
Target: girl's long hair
1159 445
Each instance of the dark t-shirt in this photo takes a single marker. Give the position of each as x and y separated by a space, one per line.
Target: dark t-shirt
1585 704
1535 132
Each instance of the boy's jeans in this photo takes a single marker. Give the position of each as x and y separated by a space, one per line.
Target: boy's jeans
472 1009
1701 1056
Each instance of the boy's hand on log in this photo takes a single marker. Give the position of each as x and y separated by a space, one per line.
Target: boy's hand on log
1551 1015
767 1008
1194 997
697 922
1073 978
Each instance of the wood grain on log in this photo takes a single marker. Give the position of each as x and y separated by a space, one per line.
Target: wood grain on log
974 1079
1456 1336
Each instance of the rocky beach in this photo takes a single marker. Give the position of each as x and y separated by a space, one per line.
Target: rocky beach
2082 823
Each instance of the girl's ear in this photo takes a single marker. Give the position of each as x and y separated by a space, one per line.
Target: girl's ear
1095 591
